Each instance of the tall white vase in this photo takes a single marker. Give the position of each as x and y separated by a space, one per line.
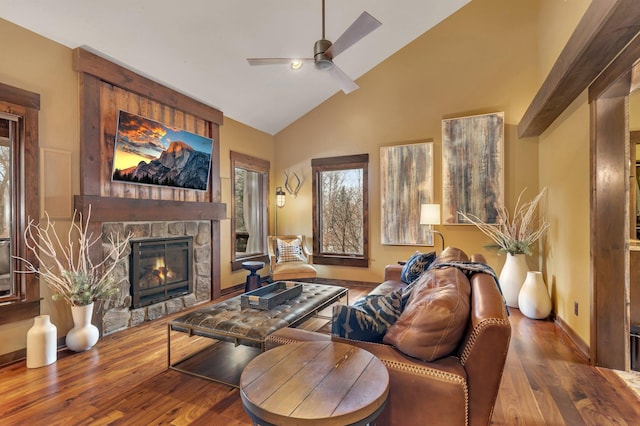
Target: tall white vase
83 335
512 276
534 298
41 342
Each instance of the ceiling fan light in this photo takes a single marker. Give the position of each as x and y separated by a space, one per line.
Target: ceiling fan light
323 64
296 64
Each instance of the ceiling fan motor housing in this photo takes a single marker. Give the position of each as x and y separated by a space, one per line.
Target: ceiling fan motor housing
323 60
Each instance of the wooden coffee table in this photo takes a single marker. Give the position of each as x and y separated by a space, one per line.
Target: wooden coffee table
325 383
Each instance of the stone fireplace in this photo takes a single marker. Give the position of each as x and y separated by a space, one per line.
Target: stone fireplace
191 238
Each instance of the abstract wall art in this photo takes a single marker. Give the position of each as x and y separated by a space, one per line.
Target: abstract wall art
472 167
406 173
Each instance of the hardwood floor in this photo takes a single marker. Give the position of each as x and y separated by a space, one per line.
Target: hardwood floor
124 380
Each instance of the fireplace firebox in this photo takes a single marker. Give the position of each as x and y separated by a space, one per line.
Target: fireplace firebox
160 269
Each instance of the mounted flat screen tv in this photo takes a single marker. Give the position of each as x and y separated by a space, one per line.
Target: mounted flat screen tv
151 153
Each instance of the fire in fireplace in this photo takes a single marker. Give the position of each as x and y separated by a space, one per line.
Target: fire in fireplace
160 269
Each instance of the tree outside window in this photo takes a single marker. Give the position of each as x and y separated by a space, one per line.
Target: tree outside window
340 199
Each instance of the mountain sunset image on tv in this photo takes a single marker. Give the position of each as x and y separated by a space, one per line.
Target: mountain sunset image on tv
151 153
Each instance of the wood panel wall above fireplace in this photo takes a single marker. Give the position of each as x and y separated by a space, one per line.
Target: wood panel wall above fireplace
107 88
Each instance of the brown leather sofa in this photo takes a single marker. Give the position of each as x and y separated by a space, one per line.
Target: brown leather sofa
457 389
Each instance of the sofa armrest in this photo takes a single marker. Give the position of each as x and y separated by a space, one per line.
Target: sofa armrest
392 272
484 349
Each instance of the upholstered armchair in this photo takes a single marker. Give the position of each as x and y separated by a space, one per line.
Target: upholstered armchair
289 258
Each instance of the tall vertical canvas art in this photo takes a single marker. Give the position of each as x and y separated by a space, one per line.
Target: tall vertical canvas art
472 167
406 182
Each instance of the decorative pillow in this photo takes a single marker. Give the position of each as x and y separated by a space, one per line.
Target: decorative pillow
435 317
416 265
290 251
368 318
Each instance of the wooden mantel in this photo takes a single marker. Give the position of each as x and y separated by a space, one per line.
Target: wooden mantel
605 29
111 209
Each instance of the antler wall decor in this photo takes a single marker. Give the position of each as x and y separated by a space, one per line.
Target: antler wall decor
289 187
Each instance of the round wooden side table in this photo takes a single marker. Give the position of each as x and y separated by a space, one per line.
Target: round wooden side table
320 383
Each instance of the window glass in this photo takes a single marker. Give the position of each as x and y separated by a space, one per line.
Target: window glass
7 136
249 208
341 210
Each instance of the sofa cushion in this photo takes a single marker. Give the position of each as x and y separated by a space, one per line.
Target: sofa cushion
290 251
368 318
451 254
435 316
416 265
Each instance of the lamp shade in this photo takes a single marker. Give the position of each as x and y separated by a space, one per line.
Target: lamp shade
280 197
430 214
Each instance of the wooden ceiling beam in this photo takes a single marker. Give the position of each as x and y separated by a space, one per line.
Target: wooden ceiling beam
604 30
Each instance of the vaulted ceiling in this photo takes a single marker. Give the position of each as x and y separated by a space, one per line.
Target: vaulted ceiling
199 47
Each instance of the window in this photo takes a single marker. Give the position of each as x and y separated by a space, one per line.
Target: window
249 216
341 205
19 201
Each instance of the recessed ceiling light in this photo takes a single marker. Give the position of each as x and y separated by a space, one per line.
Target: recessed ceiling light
296 65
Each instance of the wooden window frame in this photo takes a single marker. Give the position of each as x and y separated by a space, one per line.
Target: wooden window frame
258 165
24 303
319 165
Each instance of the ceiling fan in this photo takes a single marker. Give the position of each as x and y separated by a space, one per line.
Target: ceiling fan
324 51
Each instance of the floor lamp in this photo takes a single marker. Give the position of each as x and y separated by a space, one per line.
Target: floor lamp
430 215
280 200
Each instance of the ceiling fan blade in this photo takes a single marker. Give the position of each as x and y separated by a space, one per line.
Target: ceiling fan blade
344 81
276 61
360 28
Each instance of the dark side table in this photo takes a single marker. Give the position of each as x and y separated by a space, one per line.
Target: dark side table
253 279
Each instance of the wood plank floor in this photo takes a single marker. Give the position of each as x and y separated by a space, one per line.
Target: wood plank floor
124 380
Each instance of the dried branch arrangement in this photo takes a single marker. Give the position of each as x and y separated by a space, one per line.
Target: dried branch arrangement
514 235
68 270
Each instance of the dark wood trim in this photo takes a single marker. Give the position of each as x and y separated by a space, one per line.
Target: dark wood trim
609 233
90 63
606 27
581 346
342 160
340 163
25 98
20 310
25 302
111 209
262 167
336 260
605 83
90 131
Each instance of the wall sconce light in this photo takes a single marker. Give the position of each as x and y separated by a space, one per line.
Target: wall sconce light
280 200
430 215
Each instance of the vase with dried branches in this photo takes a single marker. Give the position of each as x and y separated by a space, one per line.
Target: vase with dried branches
68 270
514 234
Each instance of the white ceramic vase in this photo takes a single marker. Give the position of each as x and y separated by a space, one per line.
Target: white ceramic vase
534 300
83 335
41 342
512 276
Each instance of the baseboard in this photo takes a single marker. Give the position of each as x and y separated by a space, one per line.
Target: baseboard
581 347
20 354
